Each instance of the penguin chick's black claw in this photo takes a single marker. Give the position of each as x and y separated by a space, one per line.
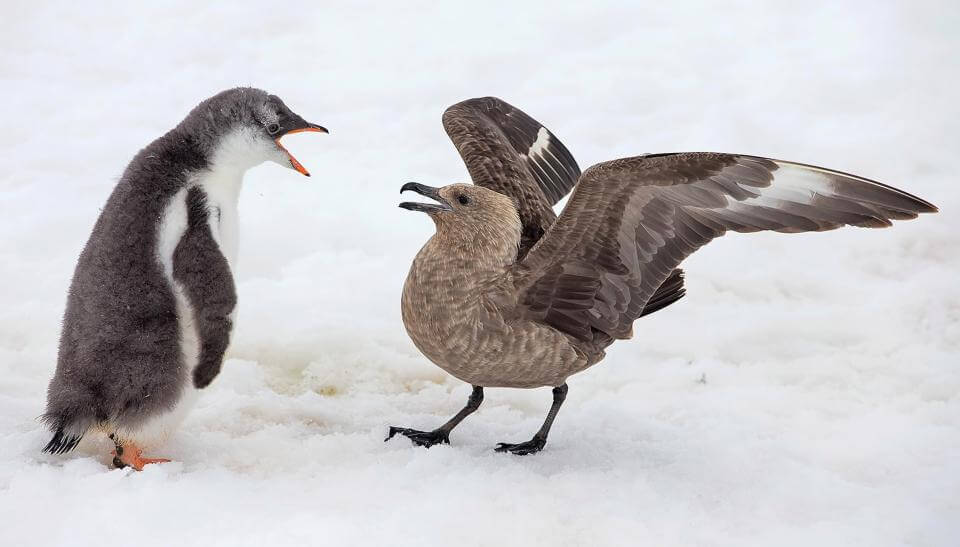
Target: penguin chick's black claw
117 452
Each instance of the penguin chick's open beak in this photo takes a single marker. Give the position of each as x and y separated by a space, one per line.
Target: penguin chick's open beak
427 191
310 127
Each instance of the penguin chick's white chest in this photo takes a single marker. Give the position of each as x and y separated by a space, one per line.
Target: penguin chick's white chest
222 189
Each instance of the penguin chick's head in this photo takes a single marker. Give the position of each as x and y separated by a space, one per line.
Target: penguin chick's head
244 126
471 214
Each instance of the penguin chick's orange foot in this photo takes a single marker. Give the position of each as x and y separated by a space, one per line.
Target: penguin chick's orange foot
130 455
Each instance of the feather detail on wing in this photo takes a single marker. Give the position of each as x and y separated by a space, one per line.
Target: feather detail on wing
508 151
630 222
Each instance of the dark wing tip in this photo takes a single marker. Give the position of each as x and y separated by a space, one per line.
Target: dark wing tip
670 291
924 206
908 205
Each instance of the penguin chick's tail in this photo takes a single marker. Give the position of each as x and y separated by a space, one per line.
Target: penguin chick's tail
67 433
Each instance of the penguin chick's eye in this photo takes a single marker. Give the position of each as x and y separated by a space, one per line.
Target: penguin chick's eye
463 199
273 128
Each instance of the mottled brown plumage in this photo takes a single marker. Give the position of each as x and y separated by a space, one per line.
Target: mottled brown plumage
496 317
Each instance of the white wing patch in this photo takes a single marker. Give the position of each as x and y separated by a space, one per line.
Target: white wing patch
540 155
794 184
541 145
799 191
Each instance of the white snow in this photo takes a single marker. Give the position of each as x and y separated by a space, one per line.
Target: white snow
806 392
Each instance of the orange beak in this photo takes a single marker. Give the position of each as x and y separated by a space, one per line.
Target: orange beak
293 161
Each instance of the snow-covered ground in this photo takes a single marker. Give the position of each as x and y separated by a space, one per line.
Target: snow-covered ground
807 391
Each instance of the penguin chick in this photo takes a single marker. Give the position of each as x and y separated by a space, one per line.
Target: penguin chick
151 305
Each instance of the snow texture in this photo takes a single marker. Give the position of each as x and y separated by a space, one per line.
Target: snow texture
805 392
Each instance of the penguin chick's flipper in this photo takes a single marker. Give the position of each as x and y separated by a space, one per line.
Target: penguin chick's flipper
130 455
205 274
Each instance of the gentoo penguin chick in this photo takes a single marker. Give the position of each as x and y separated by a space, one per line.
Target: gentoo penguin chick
151 305
505 294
